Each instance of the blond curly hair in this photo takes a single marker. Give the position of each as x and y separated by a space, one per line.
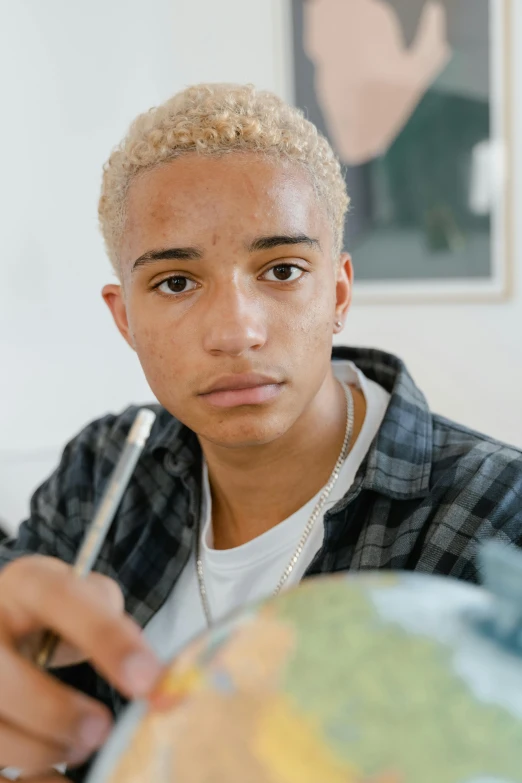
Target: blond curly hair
215 119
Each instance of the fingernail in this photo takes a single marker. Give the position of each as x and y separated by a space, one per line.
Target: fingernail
94 730
141 670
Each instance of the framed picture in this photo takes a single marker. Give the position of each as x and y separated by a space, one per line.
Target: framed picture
414 96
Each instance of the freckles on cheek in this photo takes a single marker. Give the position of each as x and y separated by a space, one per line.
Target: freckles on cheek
151 353
310 332
146 340
314 320
162 360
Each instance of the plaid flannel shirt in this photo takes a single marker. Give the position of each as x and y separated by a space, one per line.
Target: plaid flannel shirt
427 493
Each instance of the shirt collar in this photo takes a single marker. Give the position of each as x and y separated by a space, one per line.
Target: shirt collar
399 460
177 444
398 463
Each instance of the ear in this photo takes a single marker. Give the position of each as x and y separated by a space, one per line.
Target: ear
113 297
343 289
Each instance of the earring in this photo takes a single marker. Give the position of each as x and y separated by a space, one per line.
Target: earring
338 324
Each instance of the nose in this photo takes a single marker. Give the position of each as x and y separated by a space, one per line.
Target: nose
233 321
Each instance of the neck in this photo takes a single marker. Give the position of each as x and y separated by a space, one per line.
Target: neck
256 488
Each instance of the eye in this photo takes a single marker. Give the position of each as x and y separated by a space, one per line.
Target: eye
284 273
177 284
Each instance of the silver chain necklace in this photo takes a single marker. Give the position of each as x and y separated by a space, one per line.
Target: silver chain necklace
325 494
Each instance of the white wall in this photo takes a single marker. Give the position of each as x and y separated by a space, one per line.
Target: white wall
73 76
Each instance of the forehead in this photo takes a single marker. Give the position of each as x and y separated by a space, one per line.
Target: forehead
195 199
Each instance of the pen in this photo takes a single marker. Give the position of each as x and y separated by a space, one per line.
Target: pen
99 527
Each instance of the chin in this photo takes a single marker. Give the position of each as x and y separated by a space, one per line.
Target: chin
244 429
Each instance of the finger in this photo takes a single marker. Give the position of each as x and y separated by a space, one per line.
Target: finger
37 704
108 593
27 574
49 777
50 596
20 750
65 654
56 778
104 590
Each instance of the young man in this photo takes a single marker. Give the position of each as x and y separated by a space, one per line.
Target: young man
222 213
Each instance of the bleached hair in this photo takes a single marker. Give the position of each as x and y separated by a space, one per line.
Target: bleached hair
213 120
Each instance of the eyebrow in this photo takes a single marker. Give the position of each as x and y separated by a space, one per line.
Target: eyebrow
168 254
194 254
269 242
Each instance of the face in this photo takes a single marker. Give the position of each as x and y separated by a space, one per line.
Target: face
229 293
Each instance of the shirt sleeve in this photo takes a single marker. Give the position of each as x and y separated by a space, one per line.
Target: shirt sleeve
477 499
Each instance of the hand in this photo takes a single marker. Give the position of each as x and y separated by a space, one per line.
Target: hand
51 777
42 721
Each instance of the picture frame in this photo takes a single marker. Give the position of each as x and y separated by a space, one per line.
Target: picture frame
425 142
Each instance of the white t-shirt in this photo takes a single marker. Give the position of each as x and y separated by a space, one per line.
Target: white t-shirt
234 577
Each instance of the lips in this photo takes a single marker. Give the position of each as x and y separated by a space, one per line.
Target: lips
245 389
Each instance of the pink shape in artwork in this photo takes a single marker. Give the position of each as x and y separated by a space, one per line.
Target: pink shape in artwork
367 81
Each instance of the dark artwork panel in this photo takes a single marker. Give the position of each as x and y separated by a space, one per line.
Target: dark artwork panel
413 215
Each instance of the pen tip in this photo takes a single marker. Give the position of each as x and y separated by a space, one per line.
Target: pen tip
142 426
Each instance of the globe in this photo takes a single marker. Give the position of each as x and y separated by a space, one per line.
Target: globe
375 677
